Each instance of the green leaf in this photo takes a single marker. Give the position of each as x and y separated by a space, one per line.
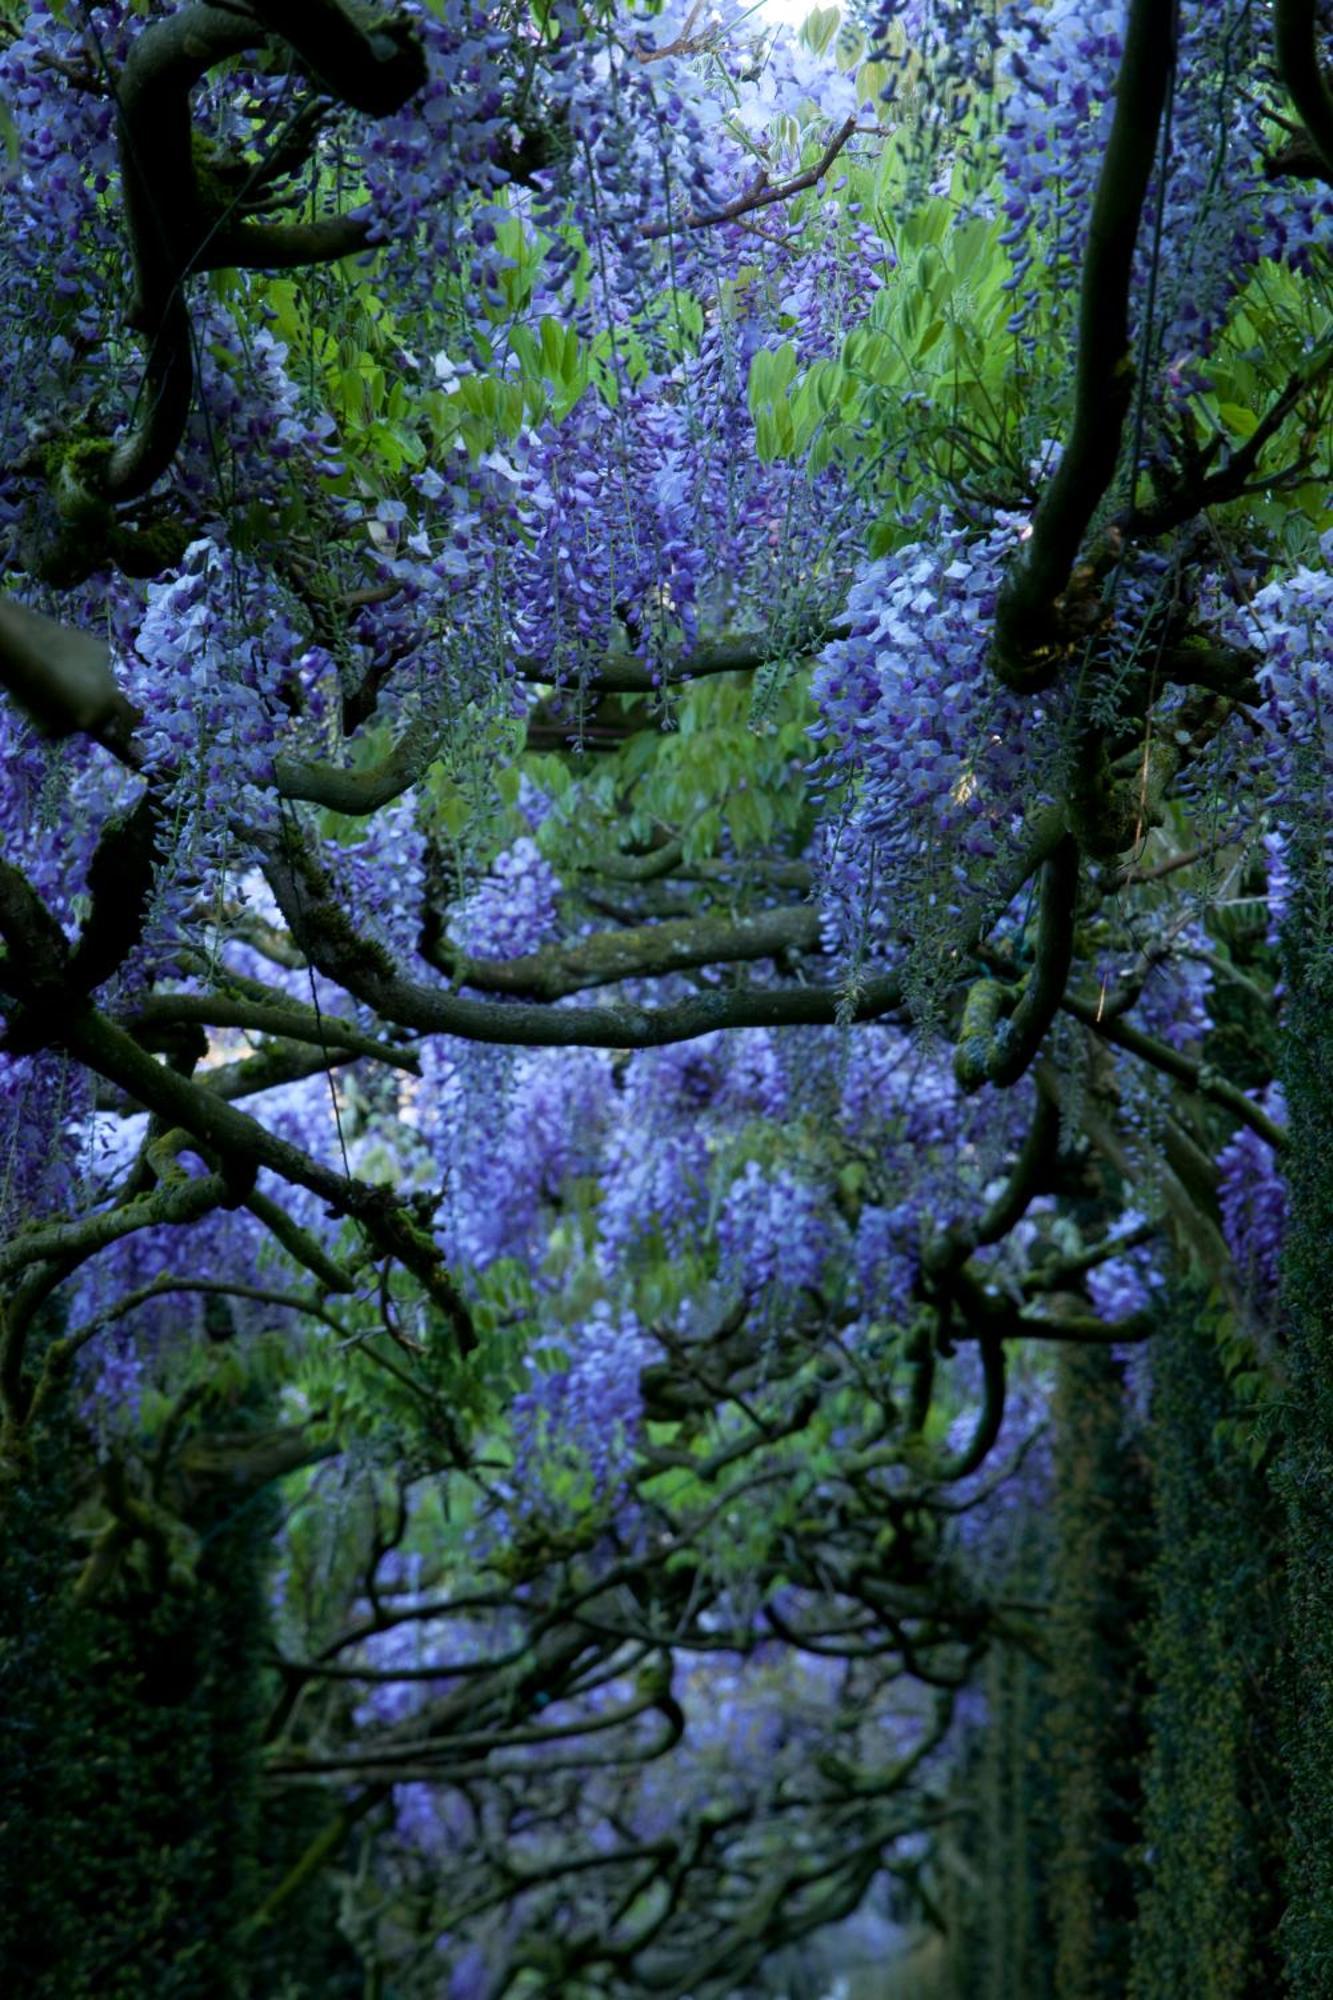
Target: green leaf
929 337
1238 419
818 28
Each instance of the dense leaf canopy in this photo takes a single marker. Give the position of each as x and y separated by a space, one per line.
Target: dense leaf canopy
663 698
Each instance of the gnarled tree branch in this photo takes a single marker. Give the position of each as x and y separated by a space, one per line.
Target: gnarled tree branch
648 952
1026 626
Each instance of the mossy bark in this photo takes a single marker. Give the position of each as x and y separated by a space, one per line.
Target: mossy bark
1213 1819
1304 1471
1096 1728
135 1840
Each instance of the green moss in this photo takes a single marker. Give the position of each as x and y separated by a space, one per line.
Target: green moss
129 1746
1096 1732
996 1900
1212 1845
73 528
1017 1807
75 470
147 551
1304 1469
982 1010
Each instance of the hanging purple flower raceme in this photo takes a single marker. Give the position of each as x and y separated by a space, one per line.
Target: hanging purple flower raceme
755 1080
1040 81
146 1347
43 1098
1128 1283
937 758
655 1168
381 877
1174 1002
508 1134
1056 78
447 141
255 427
1253 1198
513 910
887 1259
582 1410
775 1233
649 517
1277 884
60 233
1287 622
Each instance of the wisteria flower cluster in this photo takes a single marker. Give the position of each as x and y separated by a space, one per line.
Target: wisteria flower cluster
936 757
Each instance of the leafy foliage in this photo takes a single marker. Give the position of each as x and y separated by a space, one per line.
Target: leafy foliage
663 697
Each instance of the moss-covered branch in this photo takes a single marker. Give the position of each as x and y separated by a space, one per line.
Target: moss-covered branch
324 932
279 1016
650 951
1196 1075
1295 25
36 969
357 793
628 675
179 223
60 677
1027 626
1003 1027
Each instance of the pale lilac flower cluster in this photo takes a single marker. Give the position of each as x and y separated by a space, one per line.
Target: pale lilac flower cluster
1278 883
583 1408
1174 1002
508 1134
1058 68
655 1186
382 875
1289 619
656 1167
1128 1283
146 1346
448 137
755 1081
254 421
212 654
42 1098
775 1232
938 757
55 185
513 910
887 1258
